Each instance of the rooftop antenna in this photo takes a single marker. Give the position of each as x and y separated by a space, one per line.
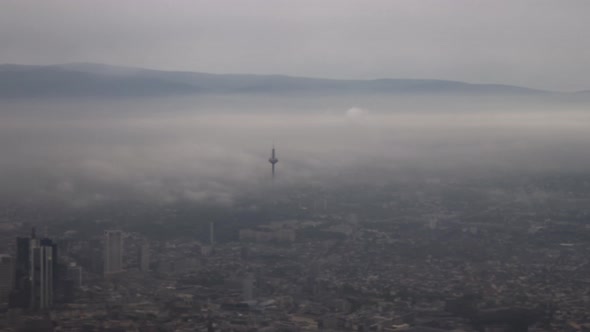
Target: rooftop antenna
273 160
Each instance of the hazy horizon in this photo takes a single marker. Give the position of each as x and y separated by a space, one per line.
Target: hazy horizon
432 173
213 149
538 44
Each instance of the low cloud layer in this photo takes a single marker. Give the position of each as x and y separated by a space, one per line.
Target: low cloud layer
356 112
94 153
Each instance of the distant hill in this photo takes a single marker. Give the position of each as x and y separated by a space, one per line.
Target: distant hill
97 80
54 81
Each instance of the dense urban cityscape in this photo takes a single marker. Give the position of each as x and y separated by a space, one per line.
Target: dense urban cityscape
294 166
434 255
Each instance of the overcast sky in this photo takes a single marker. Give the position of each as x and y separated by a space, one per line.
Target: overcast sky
535 43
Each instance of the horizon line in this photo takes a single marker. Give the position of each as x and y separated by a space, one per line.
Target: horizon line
297 76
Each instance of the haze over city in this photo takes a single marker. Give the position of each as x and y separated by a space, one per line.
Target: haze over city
294 165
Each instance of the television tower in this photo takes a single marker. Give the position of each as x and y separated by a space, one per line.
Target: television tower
273 160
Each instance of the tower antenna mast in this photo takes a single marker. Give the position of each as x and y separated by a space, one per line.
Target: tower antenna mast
273 160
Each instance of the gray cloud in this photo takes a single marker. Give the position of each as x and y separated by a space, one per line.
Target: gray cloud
534 43
80 154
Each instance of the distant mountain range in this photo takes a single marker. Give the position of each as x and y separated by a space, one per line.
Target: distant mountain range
98 80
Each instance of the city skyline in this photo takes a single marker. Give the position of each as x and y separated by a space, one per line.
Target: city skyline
433 170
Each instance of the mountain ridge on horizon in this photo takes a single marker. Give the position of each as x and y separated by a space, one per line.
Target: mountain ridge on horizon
101 80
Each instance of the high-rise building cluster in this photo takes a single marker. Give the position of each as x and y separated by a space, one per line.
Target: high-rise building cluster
35 276
30 280
113 252
6 277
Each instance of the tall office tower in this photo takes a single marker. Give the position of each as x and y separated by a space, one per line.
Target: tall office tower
35 273
113 252
20 296
211 233
6 278
144 257
312 278
43 273
248 287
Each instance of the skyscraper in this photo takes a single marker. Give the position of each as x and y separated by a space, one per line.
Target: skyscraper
43 270
144 257
248 287
211 233
113 252
35 277
6 278
20 297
